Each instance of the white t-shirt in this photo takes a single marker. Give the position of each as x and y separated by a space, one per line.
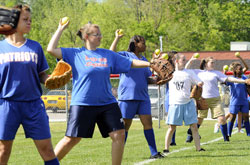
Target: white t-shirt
180 86
210 78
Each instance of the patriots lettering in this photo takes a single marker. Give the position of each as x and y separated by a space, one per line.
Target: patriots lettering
18 57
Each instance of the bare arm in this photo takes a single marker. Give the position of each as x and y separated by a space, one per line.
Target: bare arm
43 77
188 64
244 63
235 80
116 40
52 47
140 64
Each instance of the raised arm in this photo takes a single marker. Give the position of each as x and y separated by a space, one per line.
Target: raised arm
52 47
188 64
244 63
116 40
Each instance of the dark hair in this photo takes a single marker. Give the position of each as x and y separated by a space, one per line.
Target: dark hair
204 61
133 40
233 67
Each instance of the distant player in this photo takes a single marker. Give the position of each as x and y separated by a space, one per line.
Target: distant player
210 92
22 69
239 97
133 92
181 107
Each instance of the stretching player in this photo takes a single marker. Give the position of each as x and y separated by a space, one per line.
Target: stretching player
210 92
133 92
92 100
238 101
181 107
22 68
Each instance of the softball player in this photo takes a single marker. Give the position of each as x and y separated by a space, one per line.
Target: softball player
181 107
92 100
210 92
238 100
133 92
22 68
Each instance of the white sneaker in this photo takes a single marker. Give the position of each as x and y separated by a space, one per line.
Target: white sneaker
242 131
216 128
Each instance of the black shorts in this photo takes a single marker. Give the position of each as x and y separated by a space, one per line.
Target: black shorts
82 120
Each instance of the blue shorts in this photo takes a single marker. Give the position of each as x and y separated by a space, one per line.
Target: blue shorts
130 108
32 115
182 112
234 109
82 120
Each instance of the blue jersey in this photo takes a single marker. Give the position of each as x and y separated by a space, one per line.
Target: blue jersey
91 71
19 70
134 84
238 92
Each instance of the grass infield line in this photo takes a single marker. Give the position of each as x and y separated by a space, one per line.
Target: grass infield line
182 149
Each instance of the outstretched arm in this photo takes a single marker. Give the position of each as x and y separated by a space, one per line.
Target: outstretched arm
140 64
235 80
52 47
116 40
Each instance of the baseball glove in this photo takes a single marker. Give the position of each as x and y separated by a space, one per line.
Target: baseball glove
201 104
196 92
8 20
60 76
163 67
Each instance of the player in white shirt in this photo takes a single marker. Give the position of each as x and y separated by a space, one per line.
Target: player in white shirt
181 107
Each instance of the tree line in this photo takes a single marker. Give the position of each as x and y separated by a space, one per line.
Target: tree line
185 25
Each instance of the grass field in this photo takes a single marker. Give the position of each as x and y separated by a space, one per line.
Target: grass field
97 151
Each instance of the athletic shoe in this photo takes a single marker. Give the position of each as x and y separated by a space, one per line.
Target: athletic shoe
227 139
189 139
157 156
165 151
173 144
242 131
202 149
216 128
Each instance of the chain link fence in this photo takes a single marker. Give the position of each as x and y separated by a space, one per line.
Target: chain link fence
57 102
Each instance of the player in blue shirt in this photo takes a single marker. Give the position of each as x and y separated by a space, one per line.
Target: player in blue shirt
22 69
92 100
239 100
133 91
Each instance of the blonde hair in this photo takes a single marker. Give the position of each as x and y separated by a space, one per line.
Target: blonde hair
86 30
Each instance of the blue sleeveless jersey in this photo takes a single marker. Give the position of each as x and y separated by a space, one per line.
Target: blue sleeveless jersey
19 70
134 84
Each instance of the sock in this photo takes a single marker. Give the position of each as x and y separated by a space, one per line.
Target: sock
126 135
189 132
224 131
173 137
247 127
150 137
230 128
52 162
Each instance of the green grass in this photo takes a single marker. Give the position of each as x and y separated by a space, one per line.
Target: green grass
97 151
